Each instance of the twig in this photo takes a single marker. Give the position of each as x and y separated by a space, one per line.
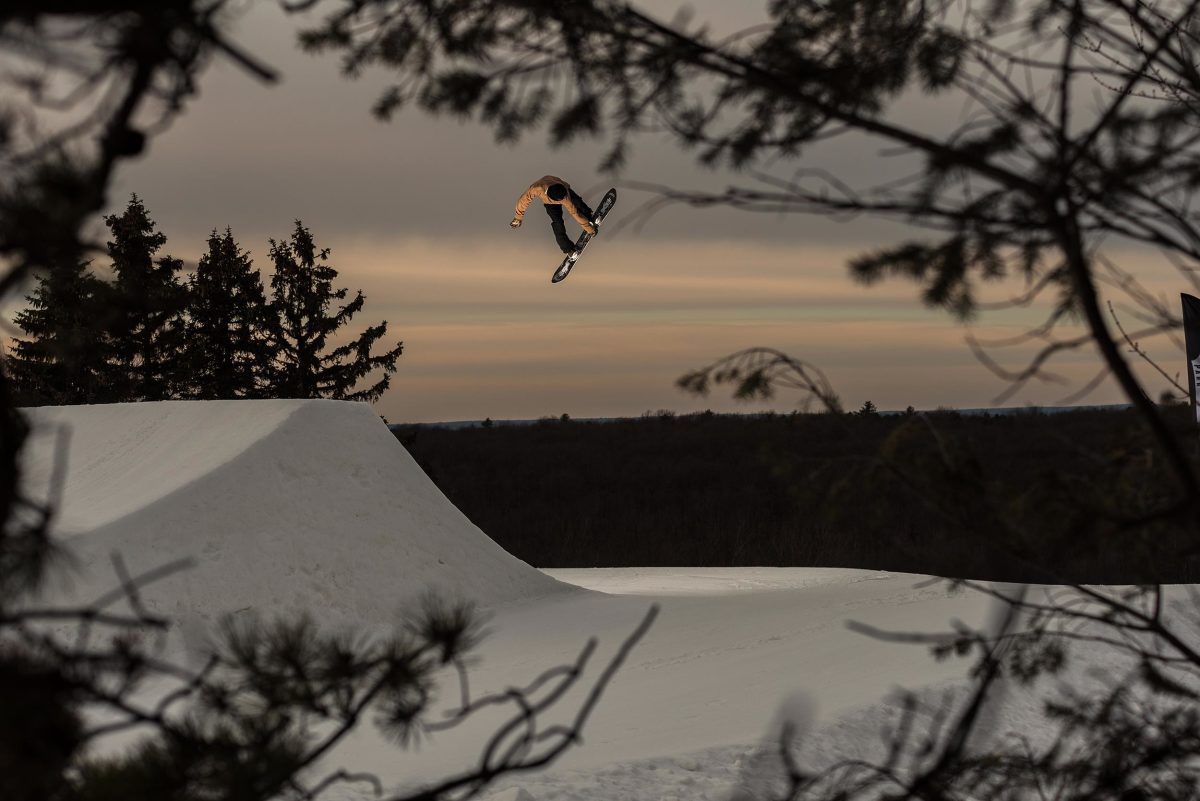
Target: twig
1142 353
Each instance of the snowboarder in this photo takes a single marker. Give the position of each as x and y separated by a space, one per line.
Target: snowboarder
556 194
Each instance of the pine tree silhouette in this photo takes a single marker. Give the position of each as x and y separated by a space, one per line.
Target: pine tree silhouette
225 351
63 360
302 321
148 304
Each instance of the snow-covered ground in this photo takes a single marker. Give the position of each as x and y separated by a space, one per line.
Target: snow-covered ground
290 505
281 505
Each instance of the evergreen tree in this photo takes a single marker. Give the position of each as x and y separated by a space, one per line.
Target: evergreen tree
225 352
63 360
149 301
302 322
868 410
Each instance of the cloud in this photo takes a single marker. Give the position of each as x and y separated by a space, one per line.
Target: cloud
416 212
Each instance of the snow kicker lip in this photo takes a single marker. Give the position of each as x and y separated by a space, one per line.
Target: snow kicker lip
280 505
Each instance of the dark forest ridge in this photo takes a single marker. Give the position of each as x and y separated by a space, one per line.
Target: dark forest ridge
860 490
993 410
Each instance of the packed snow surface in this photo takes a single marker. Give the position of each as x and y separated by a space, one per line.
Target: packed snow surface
280 505
287 506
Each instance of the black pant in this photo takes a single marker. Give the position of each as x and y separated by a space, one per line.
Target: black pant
555 210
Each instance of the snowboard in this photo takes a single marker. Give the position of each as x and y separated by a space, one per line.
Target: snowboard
602 210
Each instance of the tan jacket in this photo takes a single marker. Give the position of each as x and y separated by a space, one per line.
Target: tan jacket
538 189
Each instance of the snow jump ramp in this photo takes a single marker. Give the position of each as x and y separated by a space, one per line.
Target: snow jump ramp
281 506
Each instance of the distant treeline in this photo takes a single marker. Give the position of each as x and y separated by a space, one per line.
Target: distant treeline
1002 497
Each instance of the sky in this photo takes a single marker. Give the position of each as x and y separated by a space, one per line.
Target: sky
415 212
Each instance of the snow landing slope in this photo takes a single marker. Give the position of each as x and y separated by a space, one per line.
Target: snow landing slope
282 505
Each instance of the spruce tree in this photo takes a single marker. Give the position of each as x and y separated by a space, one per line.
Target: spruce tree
63 360
302 322
148 305
225 352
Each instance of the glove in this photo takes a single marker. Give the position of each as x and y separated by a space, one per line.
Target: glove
591 229
516 223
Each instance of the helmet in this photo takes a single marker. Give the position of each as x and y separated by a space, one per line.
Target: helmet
557 191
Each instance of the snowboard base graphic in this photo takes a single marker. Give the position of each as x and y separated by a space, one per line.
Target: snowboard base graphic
602 210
